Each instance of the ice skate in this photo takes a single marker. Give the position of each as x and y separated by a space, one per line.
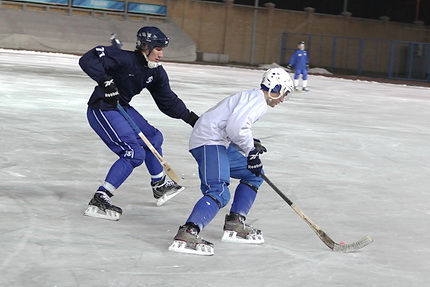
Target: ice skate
165 190
188 241
101 207
236 230
305 89
115 41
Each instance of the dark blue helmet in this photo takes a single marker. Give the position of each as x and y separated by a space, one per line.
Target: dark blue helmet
150 37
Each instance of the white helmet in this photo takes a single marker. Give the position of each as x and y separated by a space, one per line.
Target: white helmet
277 80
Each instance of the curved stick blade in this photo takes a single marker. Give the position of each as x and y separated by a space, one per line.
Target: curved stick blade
353 246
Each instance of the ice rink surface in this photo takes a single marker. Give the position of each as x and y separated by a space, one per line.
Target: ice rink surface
353 155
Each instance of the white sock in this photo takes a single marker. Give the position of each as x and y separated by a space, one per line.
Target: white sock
157 177
109 187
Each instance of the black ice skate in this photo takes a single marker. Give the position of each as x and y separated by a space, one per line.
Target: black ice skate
236 230
115 41
165 190
188 241
101 207
305 89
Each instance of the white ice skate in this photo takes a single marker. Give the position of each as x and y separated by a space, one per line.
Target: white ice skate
165 190
237 231
188 241
101 207
108 214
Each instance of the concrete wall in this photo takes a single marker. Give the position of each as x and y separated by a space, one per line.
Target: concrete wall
208 28
58 32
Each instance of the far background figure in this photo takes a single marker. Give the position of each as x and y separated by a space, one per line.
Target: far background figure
300 62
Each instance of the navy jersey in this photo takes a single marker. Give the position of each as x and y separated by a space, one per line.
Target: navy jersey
299 60
131 75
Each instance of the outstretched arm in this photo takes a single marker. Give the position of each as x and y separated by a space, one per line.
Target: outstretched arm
167 101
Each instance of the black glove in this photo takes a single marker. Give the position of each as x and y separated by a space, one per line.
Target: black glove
192 119
111 91
254 162
307 67
289 67
258 146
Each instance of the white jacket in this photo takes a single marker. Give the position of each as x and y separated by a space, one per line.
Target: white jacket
230 121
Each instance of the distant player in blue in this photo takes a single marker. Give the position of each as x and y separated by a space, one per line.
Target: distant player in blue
300 61
120 76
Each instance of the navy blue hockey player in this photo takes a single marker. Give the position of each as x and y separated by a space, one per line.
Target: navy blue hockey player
300 61
121 75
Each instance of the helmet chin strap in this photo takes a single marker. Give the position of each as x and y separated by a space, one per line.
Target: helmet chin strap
151 64
273 98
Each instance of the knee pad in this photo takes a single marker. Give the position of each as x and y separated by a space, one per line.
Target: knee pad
222 198
254 182
156 140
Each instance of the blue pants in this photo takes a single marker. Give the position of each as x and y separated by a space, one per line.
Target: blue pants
117 134
216 165
303 72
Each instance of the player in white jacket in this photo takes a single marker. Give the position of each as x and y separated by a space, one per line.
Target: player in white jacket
223 146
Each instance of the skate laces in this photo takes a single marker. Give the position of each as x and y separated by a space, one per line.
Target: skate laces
242 220
246 226
237 223
169 183
164 183
192 231
235 217
104 197
187 233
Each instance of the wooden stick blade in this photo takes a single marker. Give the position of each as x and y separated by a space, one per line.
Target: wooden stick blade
321 234
353 246
328 241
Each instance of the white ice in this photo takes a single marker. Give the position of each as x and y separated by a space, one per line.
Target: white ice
353 155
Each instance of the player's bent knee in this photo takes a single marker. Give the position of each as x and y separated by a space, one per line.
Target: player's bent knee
157 140
135 159
135 162
253 181
221 199
253 185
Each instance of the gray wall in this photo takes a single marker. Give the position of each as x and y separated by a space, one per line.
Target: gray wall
75 34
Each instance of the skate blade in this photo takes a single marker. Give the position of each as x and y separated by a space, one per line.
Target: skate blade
162 200
231 236
94 211
201 249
